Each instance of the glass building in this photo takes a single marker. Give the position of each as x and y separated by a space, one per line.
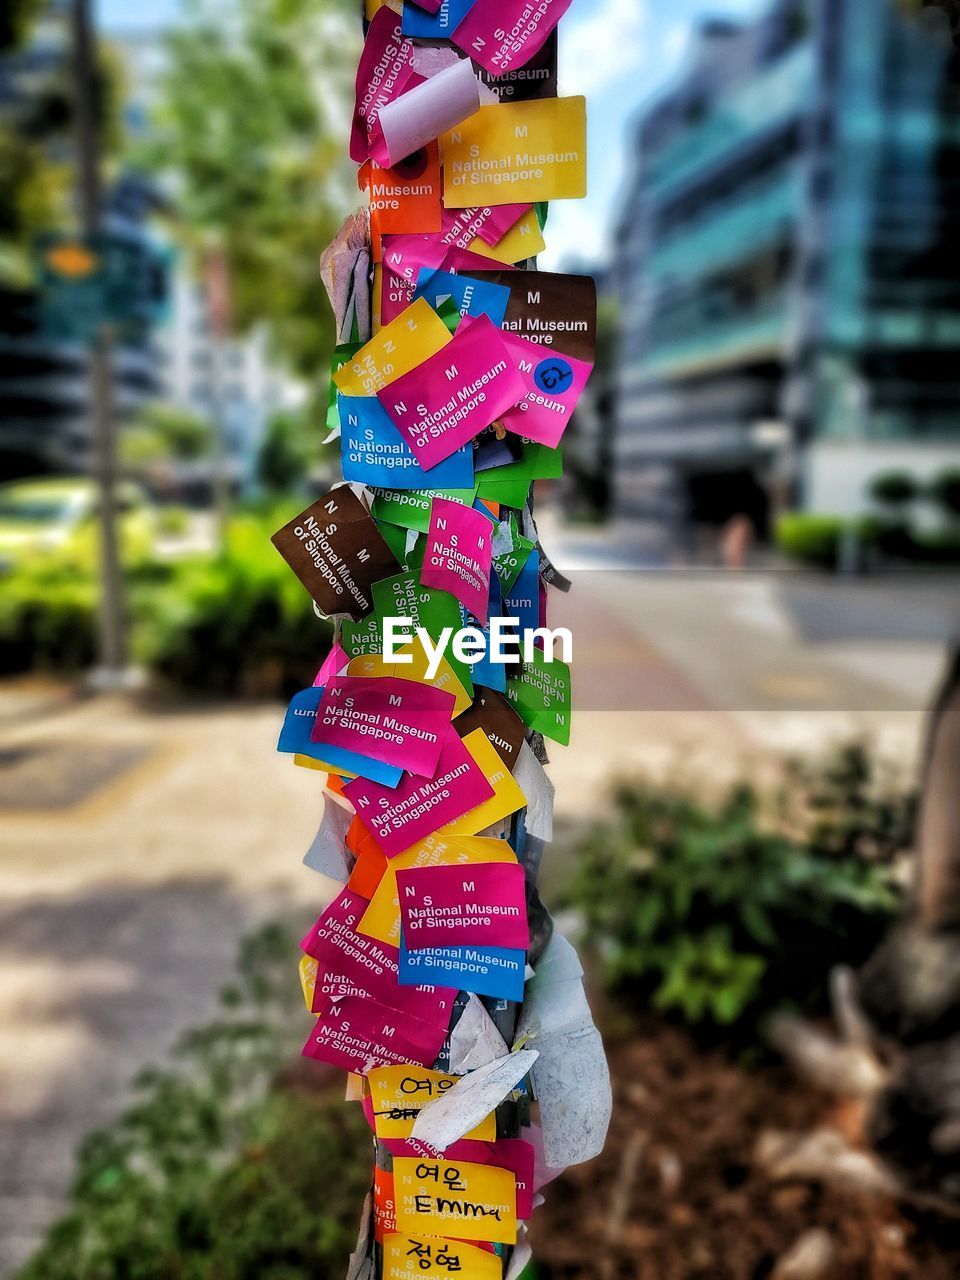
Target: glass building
790 275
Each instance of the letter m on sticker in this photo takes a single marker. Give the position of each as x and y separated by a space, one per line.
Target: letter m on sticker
469 886
452 372
396 700
388 1031
522 131
526 366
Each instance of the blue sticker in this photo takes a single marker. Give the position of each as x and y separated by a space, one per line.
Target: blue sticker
435 26
492 675
554 375
523 599
295 740
374 452
486 971
473 297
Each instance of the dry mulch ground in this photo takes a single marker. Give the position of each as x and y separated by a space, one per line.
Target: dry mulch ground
677 1194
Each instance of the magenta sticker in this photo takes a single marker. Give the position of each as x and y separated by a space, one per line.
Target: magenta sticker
398 722
351 964
460 227
503 34
402 259
482 905
554 383
360 1035
417 808
384 70
459 555
452 396
335 661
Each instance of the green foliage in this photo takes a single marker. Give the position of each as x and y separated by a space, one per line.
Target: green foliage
250 123
289 446
238 624
185 436
893 488
721 912
48 620
814 539
222 1168
945 491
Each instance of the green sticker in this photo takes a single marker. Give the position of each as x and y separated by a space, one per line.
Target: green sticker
396 539
410 508
509 493
341 356
541 697
360 639
403 596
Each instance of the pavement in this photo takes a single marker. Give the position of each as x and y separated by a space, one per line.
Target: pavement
139 845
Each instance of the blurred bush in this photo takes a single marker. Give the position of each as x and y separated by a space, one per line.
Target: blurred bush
896 489
222 1170
811 538
233 624
721 913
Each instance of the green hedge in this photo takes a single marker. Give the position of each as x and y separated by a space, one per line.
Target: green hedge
237 624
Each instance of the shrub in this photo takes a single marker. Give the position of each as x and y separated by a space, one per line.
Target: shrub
945 491
815 539
893 488
238 624
721 913
222 1168
48 620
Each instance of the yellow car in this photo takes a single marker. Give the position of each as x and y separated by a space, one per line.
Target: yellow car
55 520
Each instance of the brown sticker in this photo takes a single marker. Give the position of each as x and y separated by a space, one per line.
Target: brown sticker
555 310
337 552
535 79
498 720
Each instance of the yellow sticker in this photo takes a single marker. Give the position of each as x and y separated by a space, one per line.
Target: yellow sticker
371 665
356 1088
455 1198
412 1258
399 1094
308 979
446 678
507 797
308 762
523 240
417 333
517 153
373 7
381 920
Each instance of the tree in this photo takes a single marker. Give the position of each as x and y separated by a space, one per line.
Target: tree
286 453
249 129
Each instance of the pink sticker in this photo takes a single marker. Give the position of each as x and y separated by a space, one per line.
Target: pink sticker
353 965
360 1035
335 661
482 905
459 227
398 722
506 1153
503 34
465 261
455 394
384 70
459 555
416 809
403 256
554 383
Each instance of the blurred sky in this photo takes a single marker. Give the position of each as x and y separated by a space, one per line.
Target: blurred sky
617 52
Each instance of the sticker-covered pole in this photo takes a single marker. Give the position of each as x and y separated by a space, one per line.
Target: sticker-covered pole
437 979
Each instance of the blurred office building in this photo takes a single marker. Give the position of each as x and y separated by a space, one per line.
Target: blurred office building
45 423
790 285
